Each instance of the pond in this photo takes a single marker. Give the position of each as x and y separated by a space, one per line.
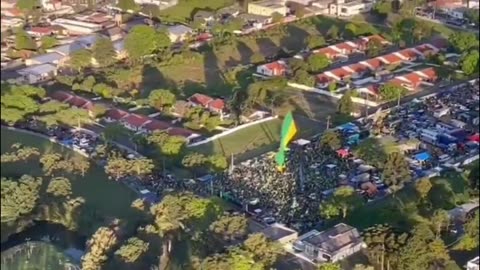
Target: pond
43 246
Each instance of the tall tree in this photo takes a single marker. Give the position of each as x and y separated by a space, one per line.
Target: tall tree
474 175
390 91
440 221
141 166
463 41
317 62
423 187
331 139
19 197
396 171
126 5
161 99
98 248
230 227
470 62
80 59
60 187
118 167
48 42
329 266
264 251
193 161
345 103
333 31
315 41
217 163
132 250
74 117
49 162
104 52
27 5
470 240
344 199
143 40
351 30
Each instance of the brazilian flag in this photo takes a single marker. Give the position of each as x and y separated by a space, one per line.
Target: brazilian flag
289 129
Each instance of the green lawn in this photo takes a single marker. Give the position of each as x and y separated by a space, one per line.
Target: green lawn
185 9
105 197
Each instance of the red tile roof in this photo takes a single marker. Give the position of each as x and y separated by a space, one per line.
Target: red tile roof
398 82
374 63
276 67
345 46
136 120
430 72
358 68
81 103
341 73
392 58
327 51
200 99
374 89
414 78
378 38
116 114
174 131
157 125
424 49
61 96
322 78
41 30
217 104
408 53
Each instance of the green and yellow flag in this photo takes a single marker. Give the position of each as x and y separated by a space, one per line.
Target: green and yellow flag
289 129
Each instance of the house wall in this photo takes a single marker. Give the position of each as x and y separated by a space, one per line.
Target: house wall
265 11
264 71
350 10
346 252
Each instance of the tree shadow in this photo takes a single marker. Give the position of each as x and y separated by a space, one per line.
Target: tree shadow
266 47
153 78
295 39
213 75
244 51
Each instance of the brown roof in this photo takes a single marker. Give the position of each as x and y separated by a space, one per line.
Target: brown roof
200 99
157 125
116 114
136 120
174 131
217 104
61 96
335 239
392 58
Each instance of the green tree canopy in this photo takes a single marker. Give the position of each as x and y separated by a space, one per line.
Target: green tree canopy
19 197
48 42
463 41
161 98
333 32
315 41
80 59
104 52
317 62
132 249
329 266
345 103
396 171
143 40
331 139
24 41
391 91
470 62
60 187
27 5
126 5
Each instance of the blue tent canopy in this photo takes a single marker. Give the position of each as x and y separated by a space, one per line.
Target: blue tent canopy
422 156
348 126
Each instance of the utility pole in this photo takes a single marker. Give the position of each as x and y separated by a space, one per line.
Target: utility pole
398 101
328 122
366 106
231 165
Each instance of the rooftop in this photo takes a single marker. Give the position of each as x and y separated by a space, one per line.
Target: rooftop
48 57
334 239
269 3
38 69
277 231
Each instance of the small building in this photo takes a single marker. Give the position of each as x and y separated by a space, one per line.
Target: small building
280 233
204 16
267 7
114 115
277 68
48 58
214 105
38 73
473 264
40 31
76 26
347 9
155 125
330 245
114 33
135 122
181 108
178 32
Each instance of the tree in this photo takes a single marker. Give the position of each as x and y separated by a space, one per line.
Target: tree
27 5
80 59
351 30
218 163
332 32
363 267
329 210
193 160
374 48
277 17
143 40
297 64
329 266
114 131
132 249
21 102
470 240
423 187
263 250
317 62
98 247
315 41
473 176
347 199
396 171
104 52
371 152
103 90
19 197
98 110
470 62
463 41
345 103
299 11
141 166
126 5
24 41
332 86
230 227
331 139
60 187
12 116
168 146
79 164
48 42
303 77
472 15
391 91
49 162
52 106
383 8
74 117
118 167
161 98
440 221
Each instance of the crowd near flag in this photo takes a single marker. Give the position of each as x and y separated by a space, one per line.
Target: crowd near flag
289 129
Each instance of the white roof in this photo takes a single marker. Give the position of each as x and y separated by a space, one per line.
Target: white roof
37 69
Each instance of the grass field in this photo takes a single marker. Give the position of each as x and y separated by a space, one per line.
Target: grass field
184 10
106 197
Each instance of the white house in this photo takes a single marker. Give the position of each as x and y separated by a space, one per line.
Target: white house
351 8
38 73
178 32
77 26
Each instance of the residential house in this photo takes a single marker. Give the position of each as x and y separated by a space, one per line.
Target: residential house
48 58
277 68
187 134
62 96
330 52
280 233
352 8
12 13
9 23
79 27
115 115
409 54
162 4
135 122
214 105
346 48
74 101
37 73
330 245
114 33
204 16
51 5
40 31
217 105
181 108
473 264
155 125
267 7
178 32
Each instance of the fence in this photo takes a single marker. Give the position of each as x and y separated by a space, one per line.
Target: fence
230 131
